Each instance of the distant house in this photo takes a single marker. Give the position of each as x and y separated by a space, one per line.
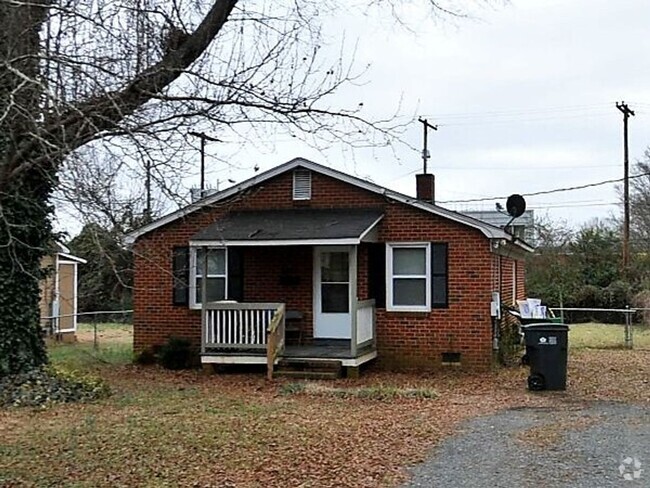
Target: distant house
306 263
521 227
58 304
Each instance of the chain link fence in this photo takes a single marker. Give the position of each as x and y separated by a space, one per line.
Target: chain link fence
87 324
607 328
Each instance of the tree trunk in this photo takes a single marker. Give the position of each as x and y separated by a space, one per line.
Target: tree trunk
25 230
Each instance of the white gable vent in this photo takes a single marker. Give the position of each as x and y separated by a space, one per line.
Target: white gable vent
302 184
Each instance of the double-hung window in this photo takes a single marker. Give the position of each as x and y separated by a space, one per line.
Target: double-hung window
408 277
215 275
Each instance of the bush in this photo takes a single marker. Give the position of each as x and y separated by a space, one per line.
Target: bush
48 385
176 354
509 341
146 357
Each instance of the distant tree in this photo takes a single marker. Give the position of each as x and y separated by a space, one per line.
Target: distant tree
106 280
578 268
550 273
596 253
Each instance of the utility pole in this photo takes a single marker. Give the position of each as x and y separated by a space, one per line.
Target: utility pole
425 150
626 111
204 137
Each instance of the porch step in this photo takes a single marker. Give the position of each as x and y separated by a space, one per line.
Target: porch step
309 368
308 375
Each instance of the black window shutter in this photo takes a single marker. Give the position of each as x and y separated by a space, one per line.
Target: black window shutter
377 273
439 275
181 275
236 274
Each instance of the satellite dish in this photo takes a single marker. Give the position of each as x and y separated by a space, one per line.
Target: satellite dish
515 206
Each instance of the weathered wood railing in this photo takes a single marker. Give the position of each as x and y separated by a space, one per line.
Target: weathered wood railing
365 323
275 341
237 326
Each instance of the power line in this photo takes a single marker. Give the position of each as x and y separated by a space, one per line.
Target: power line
522 111
505 168
548 192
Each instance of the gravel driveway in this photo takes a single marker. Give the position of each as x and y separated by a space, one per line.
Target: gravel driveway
572 446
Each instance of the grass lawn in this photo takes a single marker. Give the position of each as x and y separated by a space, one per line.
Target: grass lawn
114 347
607 336
162 428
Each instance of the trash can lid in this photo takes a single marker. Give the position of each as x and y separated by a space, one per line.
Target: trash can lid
545 326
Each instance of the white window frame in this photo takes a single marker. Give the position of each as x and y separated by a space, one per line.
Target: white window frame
390 246
194 276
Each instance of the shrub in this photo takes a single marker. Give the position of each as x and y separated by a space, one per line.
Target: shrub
510 346
373 392
176 354
48 385
146 357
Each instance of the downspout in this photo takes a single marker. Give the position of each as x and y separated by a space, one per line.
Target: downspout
497 328
204 297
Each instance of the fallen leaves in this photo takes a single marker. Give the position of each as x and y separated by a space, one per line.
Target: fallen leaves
163 428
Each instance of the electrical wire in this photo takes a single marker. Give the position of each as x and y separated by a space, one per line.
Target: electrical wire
548 192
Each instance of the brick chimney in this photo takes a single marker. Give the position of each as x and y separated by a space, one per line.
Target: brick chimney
425 187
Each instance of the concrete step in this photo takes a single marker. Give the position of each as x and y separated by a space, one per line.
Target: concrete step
308 375
309 368
310 364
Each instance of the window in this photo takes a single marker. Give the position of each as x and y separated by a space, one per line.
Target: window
302 184
416 276
335 282
408 277
216 282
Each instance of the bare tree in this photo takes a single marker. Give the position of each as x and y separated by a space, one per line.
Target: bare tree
640 204
134 75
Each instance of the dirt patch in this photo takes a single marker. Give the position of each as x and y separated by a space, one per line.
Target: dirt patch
106 334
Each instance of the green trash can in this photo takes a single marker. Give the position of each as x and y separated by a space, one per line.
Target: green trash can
546 354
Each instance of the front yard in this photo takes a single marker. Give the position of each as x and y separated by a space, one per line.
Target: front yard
162 428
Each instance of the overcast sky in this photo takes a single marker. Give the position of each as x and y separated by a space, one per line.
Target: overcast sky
524 96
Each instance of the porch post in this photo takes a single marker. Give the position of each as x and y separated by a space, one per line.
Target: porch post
204 297
355 300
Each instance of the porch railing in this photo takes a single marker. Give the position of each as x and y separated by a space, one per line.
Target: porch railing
275 340
365 323
237 326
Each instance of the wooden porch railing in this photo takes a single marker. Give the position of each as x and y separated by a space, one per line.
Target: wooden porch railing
237 326
365 323
275 341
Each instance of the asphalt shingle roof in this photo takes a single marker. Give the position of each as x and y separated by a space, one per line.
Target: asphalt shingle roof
290 224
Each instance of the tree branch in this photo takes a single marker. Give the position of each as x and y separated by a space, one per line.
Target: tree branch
86 120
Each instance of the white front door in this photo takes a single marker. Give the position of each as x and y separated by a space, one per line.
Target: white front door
332 292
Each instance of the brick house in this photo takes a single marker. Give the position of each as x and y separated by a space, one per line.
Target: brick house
306 262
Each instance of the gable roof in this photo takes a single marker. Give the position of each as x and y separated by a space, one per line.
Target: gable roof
488 230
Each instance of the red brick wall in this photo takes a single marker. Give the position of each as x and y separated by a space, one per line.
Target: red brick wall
405 339
506 272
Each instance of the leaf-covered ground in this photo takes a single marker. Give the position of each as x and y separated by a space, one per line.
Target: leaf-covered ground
165 428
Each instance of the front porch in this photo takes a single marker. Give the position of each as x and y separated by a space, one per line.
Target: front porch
256 333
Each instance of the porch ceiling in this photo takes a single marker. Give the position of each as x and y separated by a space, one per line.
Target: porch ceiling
292 226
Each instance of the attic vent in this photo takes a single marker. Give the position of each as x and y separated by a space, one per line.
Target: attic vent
302 184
